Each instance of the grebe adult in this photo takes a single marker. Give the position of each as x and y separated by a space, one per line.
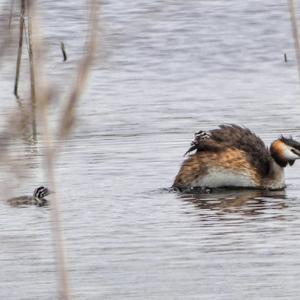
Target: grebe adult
233 156
38 198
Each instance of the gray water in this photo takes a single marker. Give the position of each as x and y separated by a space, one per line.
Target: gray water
164 70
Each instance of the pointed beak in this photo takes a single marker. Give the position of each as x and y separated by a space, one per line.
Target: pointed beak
192 148
297 152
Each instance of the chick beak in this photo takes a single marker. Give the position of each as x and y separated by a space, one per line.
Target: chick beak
192 148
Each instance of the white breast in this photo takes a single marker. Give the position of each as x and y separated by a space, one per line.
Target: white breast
224 177
277 179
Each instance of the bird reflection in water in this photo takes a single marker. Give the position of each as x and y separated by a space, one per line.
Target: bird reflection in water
247 202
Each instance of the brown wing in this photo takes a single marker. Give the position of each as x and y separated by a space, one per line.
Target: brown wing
229 159
234 136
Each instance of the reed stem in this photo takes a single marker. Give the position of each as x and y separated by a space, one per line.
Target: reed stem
32 75
293 17
40 91
21 34
63 50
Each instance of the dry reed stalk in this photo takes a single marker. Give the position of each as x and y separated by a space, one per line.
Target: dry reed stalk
17 122
68 116
21 33
42 95
11 14
32 74
293 17
43 99
6 31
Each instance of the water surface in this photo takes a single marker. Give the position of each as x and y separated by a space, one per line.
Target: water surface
164 70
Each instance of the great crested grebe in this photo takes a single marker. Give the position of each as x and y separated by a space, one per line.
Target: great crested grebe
233 156
38 198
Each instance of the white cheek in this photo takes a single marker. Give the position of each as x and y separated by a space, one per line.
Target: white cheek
289 155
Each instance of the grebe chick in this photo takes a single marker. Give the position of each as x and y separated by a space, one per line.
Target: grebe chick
38 198
233 156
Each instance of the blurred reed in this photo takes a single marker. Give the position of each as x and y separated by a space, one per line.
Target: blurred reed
294 23
37 109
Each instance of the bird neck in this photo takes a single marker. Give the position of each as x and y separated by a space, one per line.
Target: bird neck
275 178
276 151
